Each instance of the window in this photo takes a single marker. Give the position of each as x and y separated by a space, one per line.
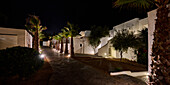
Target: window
80 45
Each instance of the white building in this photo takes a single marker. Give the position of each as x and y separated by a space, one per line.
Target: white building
46 43
10 37
134 25
105 48
81 43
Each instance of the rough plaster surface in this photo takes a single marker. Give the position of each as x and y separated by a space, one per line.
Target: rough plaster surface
23 37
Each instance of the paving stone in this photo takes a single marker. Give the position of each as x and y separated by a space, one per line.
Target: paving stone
73 72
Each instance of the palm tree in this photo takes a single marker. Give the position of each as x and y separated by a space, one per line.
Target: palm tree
41 35
66 35
57 38
61 40
160 48
73 31
33 24
34 27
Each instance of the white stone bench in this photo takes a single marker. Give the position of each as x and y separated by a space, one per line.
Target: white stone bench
134 74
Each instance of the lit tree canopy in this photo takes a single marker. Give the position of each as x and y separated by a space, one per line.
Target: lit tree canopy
33 24
124 40
97 32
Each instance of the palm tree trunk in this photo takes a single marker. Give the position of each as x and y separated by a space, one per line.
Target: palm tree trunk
160 49
94 49
56 45
36 41
33 41
66 46
61 49
39 43
72 47
58 48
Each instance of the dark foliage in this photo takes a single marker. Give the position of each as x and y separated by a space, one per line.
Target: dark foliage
142 55
97 32
142 51
20 61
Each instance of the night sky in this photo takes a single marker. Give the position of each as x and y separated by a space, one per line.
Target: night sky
55 13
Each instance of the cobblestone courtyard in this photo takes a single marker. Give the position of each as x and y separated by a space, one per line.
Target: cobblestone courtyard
67 71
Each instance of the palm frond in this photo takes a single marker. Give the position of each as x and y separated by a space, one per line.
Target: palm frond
67 28
63 30
134 3
41 36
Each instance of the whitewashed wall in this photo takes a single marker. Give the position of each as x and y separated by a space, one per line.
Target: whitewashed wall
131 25
104 51
87 47
79 49
21 38
46 43
8 41
128 55
28 39
103 48
143 23
151 28
134 25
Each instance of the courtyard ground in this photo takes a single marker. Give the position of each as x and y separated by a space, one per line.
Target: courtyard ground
62 70
68 71
108 65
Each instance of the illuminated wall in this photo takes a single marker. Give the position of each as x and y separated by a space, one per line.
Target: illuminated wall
8 41
10 37
28 40
81 45
105 49
151 28
132 25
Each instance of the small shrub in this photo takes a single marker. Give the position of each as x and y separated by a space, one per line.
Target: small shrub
142 55
20 61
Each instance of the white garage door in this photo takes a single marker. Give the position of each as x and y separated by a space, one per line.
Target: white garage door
8 41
